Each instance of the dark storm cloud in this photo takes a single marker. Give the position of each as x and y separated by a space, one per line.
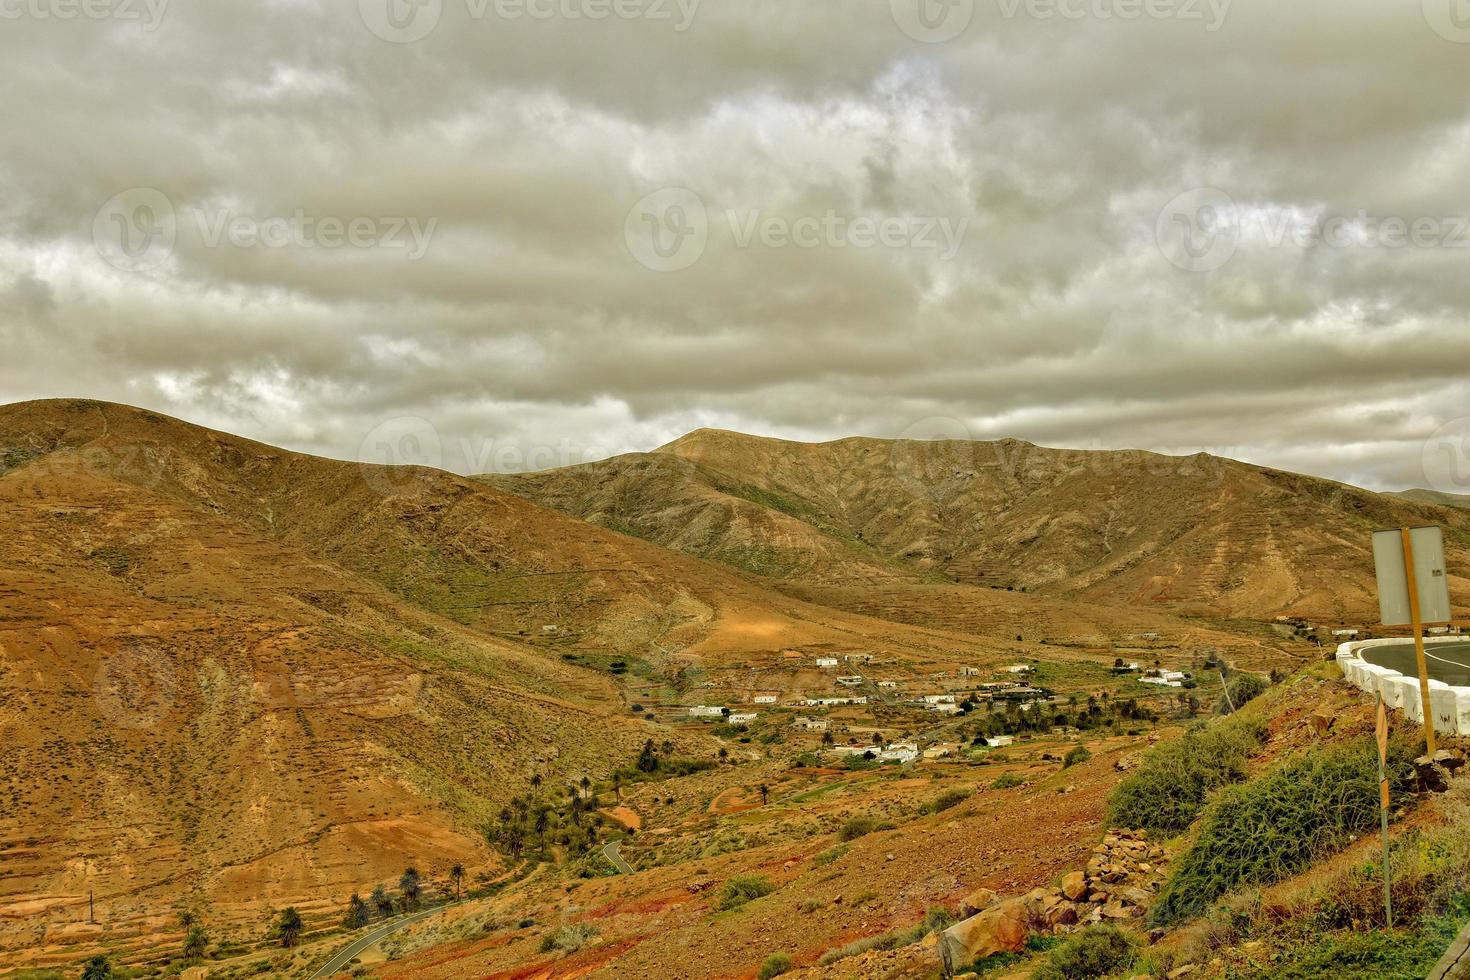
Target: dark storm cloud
363 229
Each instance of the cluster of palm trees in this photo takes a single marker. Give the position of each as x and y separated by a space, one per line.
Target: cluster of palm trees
410 896
541 822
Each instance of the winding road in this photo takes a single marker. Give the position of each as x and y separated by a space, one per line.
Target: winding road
370 939
610 851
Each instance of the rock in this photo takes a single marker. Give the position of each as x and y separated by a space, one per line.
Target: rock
1435 771
1097 897
1000 929
1117 910
1322 720
977 901
1074 886
1182 971
1062 915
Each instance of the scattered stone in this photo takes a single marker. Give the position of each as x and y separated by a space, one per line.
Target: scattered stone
1074 885
977 901
1323 720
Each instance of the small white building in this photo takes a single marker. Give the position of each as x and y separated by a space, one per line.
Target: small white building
900 752
888 685
854 680
766 698
969 671
1345 634
999 741
939 699
1016 669
810 724
826 663
834 702
706 711
743 718
1161 681
946 709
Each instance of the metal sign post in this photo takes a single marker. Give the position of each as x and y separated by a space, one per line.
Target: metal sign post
1413 590
1383 808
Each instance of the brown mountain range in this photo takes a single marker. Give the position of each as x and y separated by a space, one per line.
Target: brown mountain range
1198 534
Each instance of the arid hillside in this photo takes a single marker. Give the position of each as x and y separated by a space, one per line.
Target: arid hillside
1197 534
236 677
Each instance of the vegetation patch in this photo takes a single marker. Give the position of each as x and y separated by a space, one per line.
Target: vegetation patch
568 939
944 801
934 920
742 889
1170 789
774 965
1097 951
1277 824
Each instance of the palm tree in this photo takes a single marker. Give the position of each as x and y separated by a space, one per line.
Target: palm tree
456 875
586 784
535 781
411 885
195 943
97 968
357 912
289 927
765 791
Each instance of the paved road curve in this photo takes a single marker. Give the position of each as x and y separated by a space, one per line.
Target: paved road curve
610 851
372 938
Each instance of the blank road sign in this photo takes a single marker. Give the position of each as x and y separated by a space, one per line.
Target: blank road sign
1393 582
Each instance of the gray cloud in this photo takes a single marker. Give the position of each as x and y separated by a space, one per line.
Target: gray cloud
528 333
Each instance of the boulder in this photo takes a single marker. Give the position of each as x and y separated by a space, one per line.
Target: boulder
1002 928
976 902
1074 886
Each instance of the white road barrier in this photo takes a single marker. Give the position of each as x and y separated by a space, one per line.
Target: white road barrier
1450 705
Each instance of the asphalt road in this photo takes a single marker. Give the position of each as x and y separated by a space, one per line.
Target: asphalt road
610 851
1448 662
372 938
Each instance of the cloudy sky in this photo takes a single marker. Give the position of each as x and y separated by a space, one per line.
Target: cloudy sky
503 234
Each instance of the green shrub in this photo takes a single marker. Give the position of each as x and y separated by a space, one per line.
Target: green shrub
859 826
568 939
1007 780
1170 789
1278 823
828 856
1242 688
775 965
934 920
1077 755
945 800
1096 951
741 889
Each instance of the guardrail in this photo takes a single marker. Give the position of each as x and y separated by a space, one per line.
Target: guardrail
1449 704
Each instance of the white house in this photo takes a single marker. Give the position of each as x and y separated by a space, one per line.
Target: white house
1172 675
1161 681
900 752
969 671
1016 669
888 685
851 681
834 702
939 698
766 698
999 741
826 662
743 718
1345 633
810 724
948 709
706 711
